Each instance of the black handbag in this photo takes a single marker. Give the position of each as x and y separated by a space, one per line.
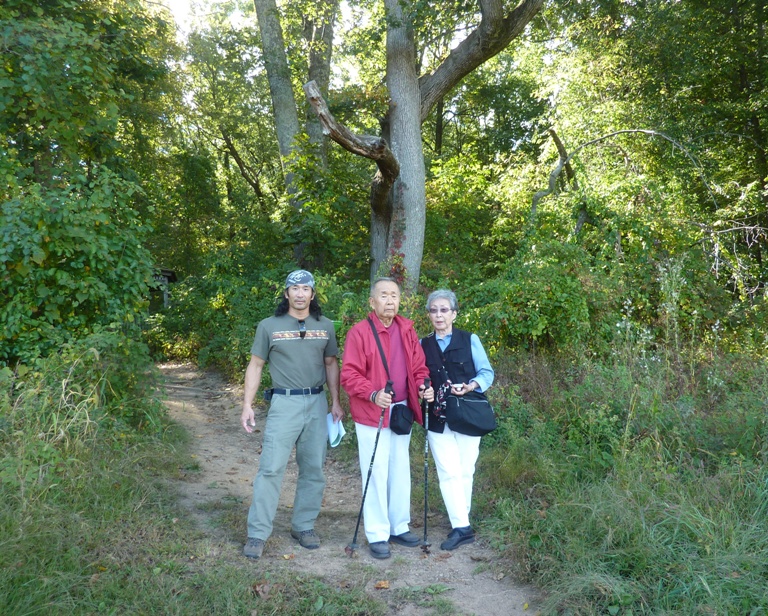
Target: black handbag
470 414
401 418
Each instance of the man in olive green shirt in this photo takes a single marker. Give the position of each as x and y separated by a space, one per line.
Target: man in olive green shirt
300 346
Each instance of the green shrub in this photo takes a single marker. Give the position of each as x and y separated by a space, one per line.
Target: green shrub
547 296
624 487
73 262
213 318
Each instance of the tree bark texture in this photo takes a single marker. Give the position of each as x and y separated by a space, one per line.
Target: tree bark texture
408 196
279 76
318 33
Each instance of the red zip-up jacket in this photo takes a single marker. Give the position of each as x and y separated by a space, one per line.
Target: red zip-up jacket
362 371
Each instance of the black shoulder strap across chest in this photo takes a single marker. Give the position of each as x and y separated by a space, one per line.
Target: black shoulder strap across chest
381 350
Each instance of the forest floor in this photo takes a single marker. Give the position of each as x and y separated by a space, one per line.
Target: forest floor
216 488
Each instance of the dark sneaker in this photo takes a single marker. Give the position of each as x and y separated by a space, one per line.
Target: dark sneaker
408 539
458 537
306 538
380 549
253 548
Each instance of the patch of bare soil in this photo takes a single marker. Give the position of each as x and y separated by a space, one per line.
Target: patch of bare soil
227 460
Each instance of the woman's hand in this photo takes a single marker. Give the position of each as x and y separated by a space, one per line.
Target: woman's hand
459 389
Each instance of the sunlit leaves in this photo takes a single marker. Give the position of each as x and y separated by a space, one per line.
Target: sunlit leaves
72 73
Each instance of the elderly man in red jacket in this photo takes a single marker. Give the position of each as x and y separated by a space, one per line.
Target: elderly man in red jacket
387 507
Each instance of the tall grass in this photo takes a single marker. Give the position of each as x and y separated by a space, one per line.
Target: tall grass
88 522
631 485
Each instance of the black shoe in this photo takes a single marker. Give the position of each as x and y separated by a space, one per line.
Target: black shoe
379 549
458 537
408 539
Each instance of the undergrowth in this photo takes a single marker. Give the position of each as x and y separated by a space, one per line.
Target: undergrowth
628 483
88 523
628 486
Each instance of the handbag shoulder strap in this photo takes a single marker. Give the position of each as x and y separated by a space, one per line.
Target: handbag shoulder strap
432 340
378 343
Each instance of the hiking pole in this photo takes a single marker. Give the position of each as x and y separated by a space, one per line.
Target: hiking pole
425 412
351 549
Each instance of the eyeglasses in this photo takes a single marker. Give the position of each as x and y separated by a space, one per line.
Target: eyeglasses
440 310
302 329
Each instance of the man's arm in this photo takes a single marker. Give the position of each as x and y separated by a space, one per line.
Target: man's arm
252 382
332 379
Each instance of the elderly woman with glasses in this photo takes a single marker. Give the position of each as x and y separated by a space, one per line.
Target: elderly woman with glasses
456 361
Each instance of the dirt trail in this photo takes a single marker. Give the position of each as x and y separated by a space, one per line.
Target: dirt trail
221 481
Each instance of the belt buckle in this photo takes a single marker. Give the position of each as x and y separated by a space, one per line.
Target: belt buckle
307 391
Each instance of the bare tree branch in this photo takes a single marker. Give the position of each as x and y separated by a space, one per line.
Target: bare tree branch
245 169
551 188
494 34
368 146
569 172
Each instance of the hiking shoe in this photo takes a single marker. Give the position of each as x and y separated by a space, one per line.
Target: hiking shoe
408 539
458 537
253 548
306 538
379 549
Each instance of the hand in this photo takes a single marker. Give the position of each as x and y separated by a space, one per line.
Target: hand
461 388
247 419
337 412
427 394
383 399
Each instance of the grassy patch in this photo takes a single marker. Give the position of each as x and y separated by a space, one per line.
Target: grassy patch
629 491
88 524
429 598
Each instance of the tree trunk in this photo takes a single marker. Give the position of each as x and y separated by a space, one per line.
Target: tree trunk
318 32
406 231
320 38
279 76
398 216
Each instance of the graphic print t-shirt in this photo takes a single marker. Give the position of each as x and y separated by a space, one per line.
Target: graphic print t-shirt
295 362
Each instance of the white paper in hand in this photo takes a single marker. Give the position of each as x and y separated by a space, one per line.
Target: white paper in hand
336 430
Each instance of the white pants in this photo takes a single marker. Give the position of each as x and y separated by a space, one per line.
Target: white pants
455 457
387 508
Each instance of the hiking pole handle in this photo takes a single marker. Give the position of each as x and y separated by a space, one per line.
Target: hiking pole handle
388 388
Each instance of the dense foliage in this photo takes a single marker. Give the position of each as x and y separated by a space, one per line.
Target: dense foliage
74 261
635 485
81 91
